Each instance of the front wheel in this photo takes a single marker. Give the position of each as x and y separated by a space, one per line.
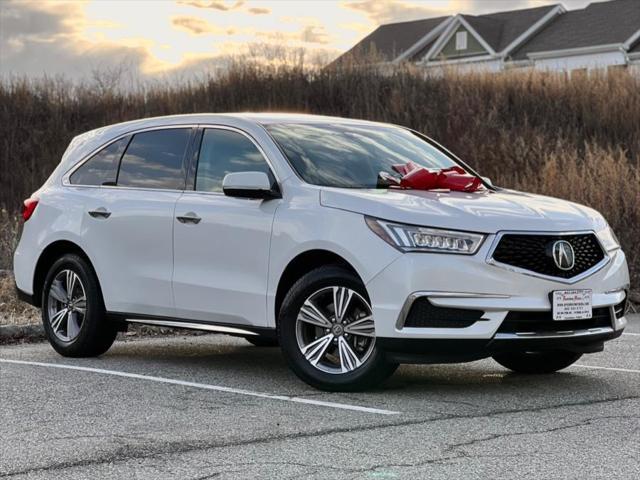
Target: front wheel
327 332
73 312
537 362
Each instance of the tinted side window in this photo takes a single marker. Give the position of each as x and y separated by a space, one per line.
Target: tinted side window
155 160
102 167
226 151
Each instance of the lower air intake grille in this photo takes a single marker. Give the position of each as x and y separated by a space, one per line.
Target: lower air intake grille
425 315
544 322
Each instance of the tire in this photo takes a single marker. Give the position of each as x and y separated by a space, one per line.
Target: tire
537 362
262 341
333 367
75 334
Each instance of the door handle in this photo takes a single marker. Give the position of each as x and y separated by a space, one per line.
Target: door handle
189 217
100 213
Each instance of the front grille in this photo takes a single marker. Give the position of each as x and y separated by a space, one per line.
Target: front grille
534 253
423 314
544 322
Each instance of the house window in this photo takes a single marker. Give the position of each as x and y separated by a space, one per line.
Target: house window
461 40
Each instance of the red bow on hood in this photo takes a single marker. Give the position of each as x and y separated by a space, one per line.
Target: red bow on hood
419 178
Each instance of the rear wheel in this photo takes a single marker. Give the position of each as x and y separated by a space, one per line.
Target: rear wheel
73 312
327 332
537 362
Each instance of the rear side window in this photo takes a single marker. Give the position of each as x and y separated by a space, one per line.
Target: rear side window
155 160
226 151
102 168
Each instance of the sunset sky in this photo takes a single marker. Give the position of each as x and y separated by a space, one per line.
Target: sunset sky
155 37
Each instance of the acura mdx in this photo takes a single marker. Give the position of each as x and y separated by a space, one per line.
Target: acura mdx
305 232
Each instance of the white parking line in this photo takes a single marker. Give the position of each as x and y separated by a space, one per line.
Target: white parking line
206 386
626 370
632 334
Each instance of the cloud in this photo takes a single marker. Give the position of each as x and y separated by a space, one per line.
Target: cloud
309 34
224 6
259 11
198 26
215 5
489 6
388 11
36 39
314 34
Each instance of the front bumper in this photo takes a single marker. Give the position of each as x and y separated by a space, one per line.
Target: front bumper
467 350
470 283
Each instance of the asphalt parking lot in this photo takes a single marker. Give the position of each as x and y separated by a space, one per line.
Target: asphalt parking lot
216 407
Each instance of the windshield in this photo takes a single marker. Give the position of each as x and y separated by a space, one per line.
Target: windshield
352 156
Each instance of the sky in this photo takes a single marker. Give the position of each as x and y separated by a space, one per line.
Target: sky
156 38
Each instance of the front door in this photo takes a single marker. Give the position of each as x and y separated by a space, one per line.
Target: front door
221 243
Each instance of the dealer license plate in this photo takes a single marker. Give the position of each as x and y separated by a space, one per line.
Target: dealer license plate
571 304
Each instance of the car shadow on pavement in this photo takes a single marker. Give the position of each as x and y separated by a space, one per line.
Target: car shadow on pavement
232 363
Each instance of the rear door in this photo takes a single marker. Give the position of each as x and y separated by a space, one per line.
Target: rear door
128 220
221 256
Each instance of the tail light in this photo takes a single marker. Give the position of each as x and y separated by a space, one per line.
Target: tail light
28 207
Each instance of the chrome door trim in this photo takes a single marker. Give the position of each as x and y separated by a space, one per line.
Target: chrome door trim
587 273
193 326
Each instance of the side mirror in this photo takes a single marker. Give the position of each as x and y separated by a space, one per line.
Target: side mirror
249 185
487 180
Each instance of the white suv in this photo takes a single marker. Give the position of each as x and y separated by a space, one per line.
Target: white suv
284 229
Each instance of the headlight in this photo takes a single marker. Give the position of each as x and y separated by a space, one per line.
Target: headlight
608 239
410 238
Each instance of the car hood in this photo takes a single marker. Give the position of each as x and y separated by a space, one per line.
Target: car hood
486 212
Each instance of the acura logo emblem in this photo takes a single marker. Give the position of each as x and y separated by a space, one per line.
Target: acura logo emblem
563 255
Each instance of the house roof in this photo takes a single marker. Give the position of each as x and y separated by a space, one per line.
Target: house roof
602 23
513 24
393 39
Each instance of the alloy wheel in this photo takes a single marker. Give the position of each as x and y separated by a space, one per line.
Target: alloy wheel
66 305
335 330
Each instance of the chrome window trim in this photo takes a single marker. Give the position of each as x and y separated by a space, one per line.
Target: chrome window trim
587 273
404 311
86 158
206 127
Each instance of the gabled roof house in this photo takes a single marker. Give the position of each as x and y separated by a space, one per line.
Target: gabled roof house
603 34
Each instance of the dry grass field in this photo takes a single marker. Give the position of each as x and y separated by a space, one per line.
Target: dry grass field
575 138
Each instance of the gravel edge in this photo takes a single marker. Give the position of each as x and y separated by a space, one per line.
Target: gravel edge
33 333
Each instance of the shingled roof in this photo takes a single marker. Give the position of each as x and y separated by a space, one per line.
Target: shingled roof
391 40
394 39
507 25
604 23
612 22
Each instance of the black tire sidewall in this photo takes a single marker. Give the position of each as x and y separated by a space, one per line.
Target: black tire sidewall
94 332
375 368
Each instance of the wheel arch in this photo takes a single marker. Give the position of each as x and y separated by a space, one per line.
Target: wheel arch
49 255
303 263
